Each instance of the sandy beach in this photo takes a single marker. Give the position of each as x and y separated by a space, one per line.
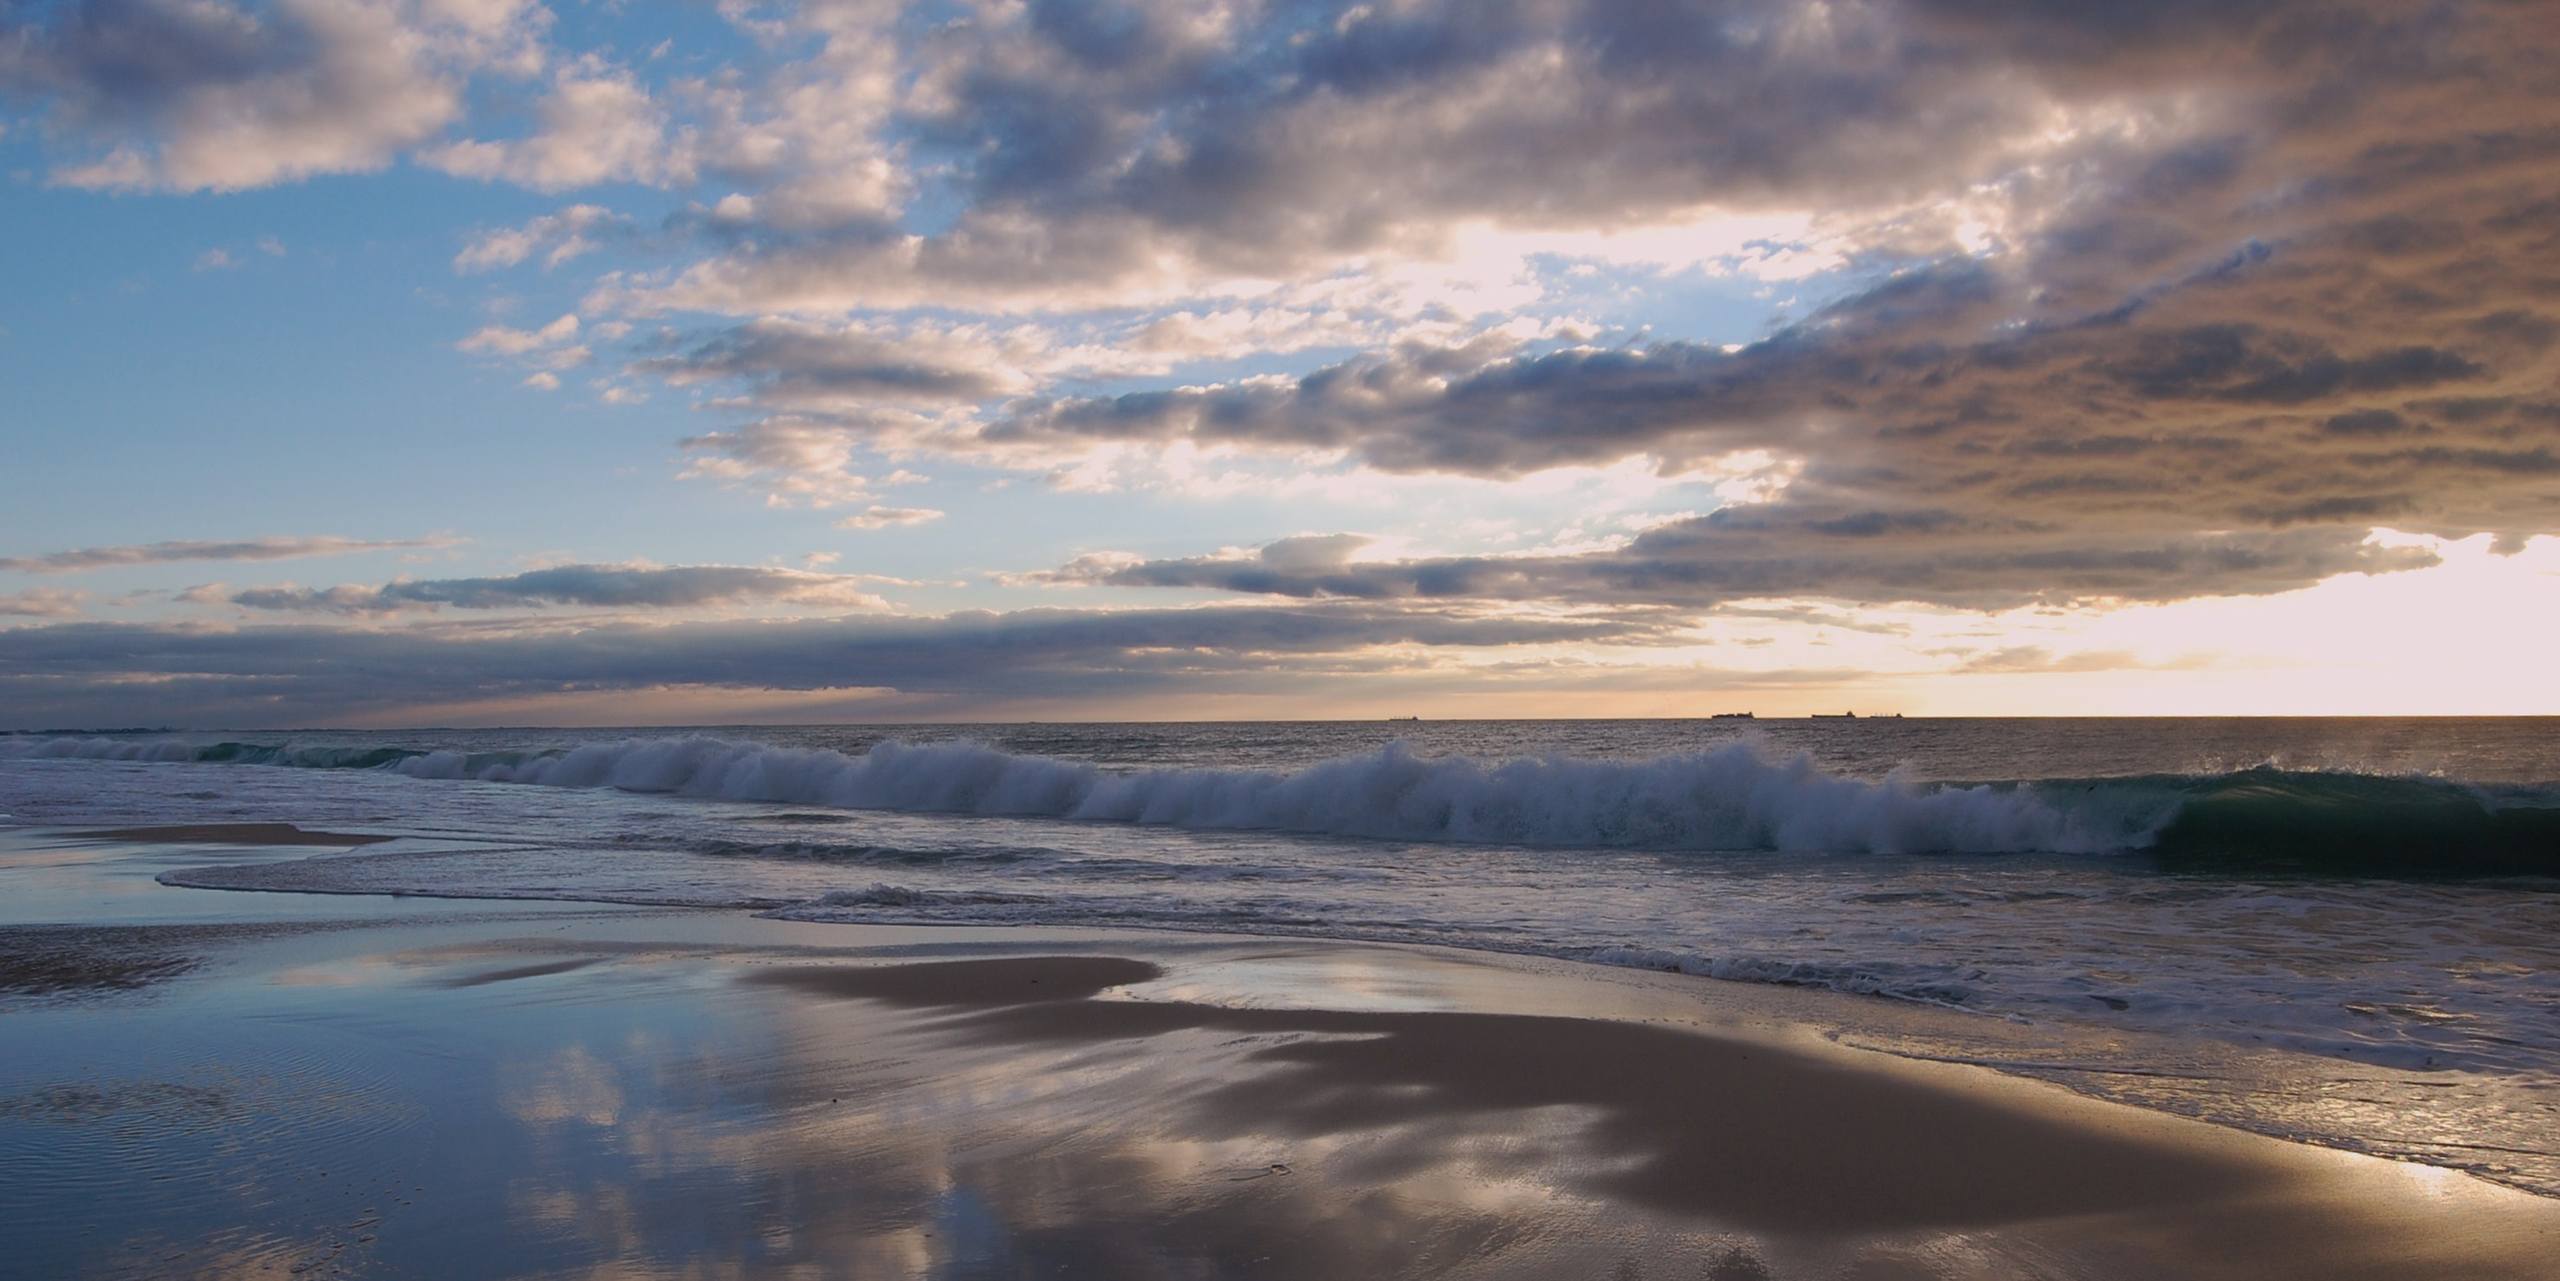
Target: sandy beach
351 1086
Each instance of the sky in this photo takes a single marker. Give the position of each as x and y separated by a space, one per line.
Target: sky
451 362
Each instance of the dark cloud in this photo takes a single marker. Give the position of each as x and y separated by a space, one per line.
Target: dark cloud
120 57
2212 372
1749 553
2152 300
1272 140
96 673
638 587
2287 280
245 549
202 94
793 363
1945 456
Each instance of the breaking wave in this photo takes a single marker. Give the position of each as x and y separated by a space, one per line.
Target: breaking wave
1733 798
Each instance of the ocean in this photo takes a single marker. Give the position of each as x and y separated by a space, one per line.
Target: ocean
2344 930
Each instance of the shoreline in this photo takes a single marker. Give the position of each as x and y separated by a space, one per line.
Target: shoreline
1693 1138
572 1089
2252 1091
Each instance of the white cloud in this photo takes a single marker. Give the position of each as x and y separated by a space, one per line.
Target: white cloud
809 136
242 549
501 341
796 461
558 237
876 517
41 602
597 124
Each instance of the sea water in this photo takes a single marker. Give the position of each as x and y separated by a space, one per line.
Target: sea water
2383 895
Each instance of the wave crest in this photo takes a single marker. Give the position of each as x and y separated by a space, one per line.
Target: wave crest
1731 798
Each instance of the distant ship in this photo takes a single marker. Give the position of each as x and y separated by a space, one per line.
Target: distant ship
1404 718
1730 716
1835 716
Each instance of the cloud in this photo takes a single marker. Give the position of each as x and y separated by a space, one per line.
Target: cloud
837 395
878 517
1946 438
597 124
1311 552
1811 617
2099 302
558 237
1304 565
811 138
2158 279
1085 570
498 340
627 587
2130 305
2035 658
86 673
194 95
1228 140
41 602
1198 145
1752 553
799 460
247 549
215 260
797 365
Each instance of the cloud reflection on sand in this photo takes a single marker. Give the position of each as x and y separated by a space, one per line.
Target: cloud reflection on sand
709 1096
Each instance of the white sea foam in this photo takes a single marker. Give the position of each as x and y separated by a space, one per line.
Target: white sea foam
1736 797
1927 984
167 750
2430 972
1730 798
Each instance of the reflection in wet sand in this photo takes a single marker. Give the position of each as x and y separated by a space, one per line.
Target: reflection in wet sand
74 960
1691 1135
695 1095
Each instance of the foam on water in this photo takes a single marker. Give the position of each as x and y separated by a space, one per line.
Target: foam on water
1740 796
2155 889
1731 798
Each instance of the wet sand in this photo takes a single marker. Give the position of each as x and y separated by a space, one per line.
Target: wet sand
65 959
230 834
570 1092
1783 1143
